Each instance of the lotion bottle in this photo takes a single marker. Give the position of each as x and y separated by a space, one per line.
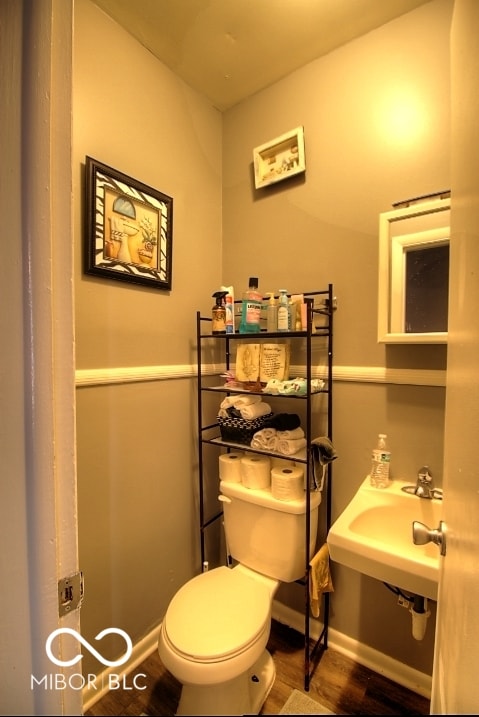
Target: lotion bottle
271 314
283 311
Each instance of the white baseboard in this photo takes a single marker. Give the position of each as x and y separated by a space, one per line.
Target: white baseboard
373 659
408 677
95 689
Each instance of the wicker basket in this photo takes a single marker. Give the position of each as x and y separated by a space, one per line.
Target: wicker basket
241 430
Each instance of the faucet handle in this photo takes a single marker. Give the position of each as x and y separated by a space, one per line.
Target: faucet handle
424 474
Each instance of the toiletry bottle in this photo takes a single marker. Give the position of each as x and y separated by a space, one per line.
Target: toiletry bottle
271 314
291 316
251 309
218 313
230 313
283 311
381 458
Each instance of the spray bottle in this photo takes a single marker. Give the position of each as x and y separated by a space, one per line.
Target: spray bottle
218 313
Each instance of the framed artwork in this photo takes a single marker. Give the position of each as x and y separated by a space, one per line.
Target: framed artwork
128 228
279 159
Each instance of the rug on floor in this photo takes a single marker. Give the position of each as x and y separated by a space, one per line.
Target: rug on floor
300 704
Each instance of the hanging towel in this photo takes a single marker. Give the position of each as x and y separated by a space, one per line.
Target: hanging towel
322 453
319 578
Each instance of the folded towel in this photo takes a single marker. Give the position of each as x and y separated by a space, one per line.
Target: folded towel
255 410
246 400
265 438
297 386
289 446
322 453
295 433
241 399
273 386
319 578
285 421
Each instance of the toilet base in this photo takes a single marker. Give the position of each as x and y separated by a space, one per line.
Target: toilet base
245 694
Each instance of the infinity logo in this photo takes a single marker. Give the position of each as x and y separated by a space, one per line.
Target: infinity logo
77 658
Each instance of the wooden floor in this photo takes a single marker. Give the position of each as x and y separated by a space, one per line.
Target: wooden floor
338 683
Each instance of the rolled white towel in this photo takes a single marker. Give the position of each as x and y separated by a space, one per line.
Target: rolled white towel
255 410
246 400
290 446
295 433
241 399
265 438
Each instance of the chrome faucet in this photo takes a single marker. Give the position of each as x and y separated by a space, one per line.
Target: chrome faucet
424 484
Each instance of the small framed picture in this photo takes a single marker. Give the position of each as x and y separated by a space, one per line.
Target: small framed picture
279 159
128 228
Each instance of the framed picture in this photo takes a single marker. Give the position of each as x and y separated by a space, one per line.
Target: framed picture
128 228
281 158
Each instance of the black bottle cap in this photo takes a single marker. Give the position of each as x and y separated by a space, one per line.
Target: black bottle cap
253 281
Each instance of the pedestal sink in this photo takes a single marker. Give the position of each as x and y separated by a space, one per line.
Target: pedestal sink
373 535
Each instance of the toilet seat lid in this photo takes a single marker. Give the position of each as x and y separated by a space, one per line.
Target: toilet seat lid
217 614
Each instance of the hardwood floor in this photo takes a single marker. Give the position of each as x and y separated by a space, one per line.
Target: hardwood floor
338 683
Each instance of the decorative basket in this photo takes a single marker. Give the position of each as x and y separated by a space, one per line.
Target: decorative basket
241 430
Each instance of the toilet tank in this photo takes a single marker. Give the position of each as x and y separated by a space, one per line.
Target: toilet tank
266 534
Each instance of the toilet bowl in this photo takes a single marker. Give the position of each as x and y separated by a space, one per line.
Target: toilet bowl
213 640
213 637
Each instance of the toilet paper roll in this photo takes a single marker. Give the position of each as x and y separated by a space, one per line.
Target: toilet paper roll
277 462
287 483
230 466
256 471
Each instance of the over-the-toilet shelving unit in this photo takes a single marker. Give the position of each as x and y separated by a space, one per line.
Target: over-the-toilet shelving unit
320 309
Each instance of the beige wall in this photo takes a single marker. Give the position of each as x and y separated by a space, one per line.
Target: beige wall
323 227
137 463
136 441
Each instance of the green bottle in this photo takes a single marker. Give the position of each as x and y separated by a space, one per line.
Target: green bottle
251 309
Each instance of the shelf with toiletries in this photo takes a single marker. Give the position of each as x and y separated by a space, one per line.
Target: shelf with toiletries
306 393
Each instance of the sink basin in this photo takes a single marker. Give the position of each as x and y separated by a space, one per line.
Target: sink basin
373 535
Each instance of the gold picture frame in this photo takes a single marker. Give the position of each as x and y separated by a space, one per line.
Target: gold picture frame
279 159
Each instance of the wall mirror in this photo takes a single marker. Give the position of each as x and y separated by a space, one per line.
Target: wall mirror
414 272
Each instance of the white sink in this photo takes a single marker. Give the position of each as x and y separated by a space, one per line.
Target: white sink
373 535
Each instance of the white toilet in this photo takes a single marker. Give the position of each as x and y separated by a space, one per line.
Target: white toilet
214 634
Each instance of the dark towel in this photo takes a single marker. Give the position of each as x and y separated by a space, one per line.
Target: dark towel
322 453
285 421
